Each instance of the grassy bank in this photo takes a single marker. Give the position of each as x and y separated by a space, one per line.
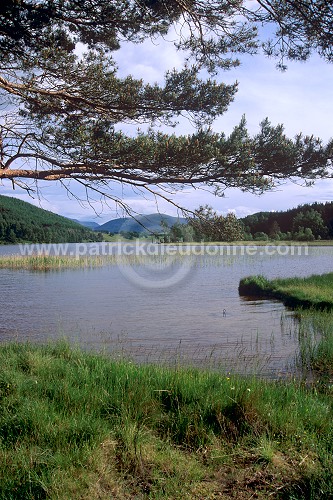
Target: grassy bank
82 426
314 291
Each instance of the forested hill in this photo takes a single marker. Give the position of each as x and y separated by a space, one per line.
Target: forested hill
155 223
22 222
306 222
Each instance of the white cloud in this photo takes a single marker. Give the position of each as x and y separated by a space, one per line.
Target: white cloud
148 60
301 98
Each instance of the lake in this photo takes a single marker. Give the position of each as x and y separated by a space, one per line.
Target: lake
164 307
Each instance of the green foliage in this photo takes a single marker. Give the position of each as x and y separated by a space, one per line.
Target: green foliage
64 110
260 236
275 231
304 223
181 233
310 220
255 286
303 234
208 226
23 222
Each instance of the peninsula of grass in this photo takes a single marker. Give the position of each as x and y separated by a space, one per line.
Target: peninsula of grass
77 425
314 291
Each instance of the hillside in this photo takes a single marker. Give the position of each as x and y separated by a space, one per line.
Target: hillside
304 223
87 223
141 224
316 219
22 222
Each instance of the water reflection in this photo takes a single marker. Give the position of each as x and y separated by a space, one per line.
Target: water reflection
201 319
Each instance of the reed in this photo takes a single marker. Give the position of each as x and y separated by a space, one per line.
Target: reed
181 256
316 346
54 262
48 262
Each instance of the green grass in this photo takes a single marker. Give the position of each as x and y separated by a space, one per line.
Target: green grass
314 291
82 426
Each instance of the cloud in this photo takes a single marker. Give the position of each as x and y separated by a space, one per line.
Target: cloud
300 98
148 60
54 198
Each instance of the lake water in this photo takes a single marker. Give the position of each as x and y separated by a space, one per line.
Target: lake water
164 308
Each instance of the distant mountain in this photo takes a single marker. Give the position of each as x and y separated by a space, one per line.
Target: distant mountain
22 222
87 223
141 224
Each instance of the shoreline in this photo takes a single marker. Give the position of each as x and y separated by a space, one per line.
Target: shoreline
77 424
312 292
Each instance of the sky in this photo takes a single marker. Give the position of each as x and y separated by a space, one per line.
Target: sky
301 98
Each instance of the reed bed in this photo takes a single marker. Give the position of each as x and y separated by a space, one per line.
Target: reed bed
43 262
48 262
54 262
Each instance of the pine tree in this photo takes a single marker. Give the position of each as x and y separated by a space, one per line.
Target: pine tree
65 111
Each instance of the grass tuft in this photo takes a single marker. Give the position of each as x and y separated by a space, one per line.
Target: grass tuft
314 291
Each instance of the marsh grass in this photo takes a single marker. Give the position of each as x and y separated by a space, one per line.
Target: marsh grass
316 346
48 262
80 425
43 262
316 289
254 356
98 256
313 291
181 256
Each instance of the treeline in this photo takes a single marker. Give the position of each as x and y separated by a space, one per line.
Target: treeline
304 223
22 222
307 222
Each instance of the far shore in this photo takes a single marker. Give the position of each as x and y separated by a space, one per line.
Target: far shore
218 243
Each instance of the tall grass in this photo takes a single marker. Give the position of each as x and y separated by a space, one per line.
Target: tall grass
79 425
43 262
48 262
316 345
313 291
316 289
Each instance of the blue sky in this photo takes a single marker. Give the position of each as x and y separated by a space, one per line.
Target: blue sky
301 98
